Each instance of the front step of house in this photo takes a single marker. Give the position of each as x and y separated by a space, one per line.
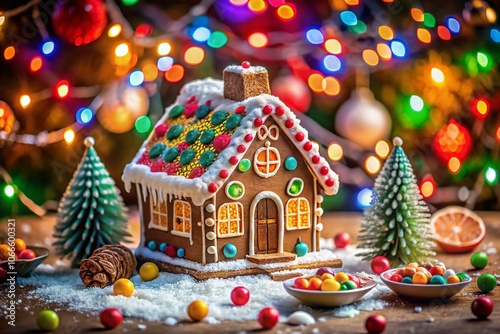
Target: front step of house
271 258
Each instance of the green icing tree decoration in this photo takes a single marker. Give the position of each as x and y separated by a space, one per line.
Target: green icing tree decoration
91 213
397 223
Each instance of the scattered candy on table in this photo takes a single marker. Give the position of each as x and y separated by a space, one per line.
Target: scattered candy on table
380 264
240 295
479 260
149 271
342 240
437 274
375 324
47 320
111 317
486 282
482 307
198 310
268 317
123 287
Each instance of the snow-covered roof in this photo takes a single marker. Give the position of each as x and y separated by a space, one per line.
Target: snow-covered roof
170 161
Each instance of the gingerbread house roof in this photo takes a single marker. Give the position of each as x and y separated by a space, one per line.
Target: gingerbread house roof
201 138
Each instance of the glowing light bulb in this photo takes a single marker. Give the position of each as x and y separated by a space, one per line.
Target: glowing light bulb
84 116
9 53
443 33
333 46
165 63
164 48
150 72
331 86
36 64
335 151
427 189
370 57
9 190
417 14
398 48
491 176
175 73
454 165
382 149
498 133
384 51
349 18
142 124
481 108
424 35
69 136
257 40
62 89
286 12
364 198
136 78
122 50
25 101
332 63
48 47
257 6
453 24
201 34
416 103
315 82
314 36
2 19
114 30
239 2
386 32
372 164
194 55
437 75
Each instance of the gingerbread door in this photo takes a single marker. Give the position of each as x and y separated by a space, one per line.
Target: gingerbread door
266 227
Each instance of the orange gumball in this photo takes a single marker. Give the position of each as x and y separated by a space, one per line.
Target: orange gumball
453 279
326 276
315 283
301 283
4 252
425 271
420 278
20 245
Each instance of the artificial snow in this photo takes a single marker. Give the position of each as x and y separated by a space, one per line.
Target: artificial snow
167 297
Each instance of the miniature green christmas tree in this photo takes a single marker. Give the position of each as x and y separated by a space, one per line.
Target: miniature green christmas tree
397 223
91 213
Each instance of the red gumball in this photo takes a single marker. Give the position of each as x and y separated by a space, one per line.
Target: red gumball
355 279
396 278
482 307
380 264
240 295
342 240
375 324
171 251
268 317
79 22
293 92
27 254
111 317
3 273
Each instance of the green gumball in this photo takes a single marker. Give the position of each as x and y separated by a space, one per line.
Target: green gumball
486 282
479 260
47 320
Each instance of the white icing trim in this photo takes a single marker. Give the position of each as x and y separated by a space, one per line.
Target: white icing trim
213 250
289 185
209 222
267 163
141 216
262 136
210 208
175 216
319 228
298 213
281 231
319 198
315 236
203 256
270 135
238 183
241 70
241 222
319 212
210 235
152 225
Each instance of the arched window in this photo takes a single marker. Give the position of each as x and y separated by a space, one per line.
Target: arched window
230 220
298 214
266 161
182 219
158 215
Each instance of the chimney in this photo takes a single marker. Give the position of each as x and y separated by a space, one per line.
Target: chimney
242 82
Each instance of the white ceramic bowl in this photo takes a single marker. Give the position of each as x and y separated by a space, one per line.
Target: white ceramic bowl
329 298
422 292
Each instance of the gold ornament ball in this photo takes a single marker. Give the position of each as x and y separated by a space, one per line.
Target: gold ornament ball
149 271
123 287
198 310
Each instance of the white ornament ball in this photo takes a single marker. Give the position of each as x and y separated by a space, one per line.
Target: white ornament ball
363 119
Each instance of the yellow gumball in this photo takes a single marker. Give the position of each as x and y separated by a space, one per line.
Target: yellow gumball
123 287
198 310
149 271
330 284
341 277
453 279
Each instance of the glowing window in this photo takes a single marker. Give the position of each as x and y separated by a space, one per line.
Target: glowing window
158 216
230 220
182 219
266 161
297 214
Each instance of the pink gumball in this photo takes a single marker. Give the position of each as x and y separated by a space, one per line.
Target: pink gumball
240 296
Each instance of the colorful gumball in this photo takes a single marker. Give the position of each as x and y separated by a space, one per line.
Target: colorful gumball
171 251
301 283
330 285
342 240
482 307
341 277
479 260
240 296
407 280
123 287
348 285
27 254
327 276
486 282
437 279
47 320
420 278
355 279
149 271
198 310
396 278
324 270
463 276
315 283
375 324
380 264
111 317
437 270
268 317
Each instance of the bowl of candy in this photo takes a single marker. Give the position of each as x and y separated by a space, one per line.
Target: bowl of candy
329 289
23 260
425 283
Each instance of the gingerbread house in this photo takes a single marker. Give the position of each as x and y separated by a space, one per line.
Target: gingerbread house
228 174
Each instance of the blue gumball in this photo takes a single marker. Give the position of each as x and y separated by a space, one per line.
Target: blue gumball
181 252
230 251
163 245
301 248
152 245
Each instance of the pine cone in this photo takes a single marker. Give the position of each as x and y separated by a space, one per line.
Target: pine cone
106 265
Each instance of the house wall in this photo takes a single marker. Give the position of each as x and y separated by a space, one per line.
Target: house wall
254 184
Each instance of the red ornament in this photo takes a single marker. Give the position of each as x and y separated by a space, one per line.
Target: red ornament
221 142
482 307
27 254
233 160
111 317
171 251
289 123
299 136
268 317
212 187
342 240
248 138
267 109
240 296
293 92
375 324
380 264
223 174
160 130
324 170
257 122
245 64
452 141
308 146
280 111
315 159
241 148
79 21
330 182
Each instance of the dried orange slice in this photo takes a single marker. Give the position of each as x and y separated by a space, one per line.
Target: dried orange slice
457 229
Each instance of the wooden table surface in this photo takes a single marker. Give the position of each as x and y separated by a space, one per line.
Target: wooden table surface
454 317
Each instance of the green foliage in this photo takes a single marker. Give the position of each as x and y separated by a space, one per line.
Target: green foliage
396 225
91 213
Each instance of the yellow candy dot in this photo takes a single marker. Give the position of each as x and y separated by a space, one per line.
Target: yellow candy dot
326 276
149 271
330 284
198 310
420 278
341 277
123 287
453 279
